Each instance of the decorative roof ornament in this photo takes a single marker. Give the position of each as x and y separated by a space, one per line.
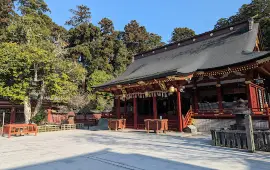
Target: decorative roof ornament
119 86
162 86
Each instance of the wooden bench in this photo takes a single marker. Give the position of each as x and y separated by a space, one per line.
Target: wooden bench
19 129
157 125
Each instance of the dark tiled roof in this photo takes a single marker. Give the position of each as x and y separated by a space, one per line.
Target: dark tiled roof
220 48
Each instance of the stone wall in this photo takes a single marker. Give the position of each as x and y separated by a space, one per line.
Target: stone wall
205 125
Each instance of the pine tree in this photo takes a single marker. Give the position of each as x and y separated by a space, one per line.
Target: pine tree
80 15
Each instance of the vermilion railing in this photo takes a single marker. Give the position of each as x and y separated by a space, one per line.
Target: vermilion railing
187 118
19 129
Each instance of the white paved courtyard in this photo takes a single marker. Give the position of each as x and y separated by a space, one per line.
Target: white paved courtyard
101 150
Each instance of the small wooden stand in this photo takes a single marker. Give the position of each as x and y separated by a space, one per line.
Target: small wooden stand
157 125
115 124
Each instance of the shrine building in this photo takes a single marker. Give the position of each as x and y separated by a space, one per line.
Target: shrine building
197 79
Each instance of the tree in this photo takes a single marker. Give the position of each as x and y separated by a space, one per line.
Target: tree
106 26
6 14
29 6
259 9
81 15
179 34
154 41
138 40
135 37
32 68
6 10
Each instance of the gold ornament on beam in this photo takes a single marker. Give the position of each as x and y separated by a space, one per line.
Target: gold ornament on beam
141 83
162 86
119 86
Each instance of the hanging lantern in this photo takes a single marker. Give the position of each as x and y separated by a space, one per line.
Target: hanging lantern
171 89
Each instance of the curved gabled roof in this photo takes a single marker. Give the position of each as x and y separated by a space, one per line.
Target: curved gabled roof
224 47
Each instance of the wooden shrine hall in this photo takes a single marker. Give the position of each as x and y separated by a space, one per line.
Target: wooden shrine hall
202 77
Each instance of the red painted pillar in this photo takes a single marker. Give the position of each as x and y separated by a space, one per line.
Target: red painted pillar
219 98
12 115
118 108
179 111
49 116
135 116
155 107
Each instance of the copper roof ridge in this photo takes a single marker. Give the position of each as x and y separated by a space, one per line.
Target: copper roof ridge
152 51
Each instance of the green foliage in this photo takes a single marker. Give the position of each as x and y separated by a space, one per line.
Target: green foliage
98 77
34 53
260 9
179 34
138 40
6 10
106 26
39 117
98 100
32 6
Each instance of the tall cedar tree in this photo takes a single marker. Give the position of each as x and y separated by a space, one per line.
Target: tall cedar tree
138 40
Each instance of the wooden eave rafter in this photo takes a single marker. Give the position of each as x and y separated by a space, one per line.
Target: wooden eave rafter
264 71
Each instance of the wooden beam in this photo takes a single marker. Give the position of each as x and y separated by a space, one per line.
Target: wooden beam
264 71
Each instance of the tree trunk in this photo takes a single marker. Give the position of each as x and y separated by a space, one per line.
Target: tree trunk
40 99
27 109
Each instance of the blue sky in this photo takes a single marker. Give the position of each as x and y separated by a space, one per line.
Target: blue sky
158 16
